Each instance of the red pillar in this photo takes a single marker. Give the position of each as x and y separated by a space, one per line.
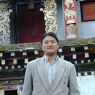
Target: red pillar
70 19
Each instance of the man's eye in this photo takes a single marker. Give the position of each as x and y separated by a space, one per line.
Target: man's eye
45 42
52 42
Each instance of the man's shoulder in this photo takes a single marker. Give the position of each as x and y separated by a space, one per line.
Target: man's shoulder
68 63
34 62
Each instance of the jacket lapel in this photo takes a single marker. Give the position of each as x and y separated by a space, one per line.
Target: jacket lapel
59 73
43 74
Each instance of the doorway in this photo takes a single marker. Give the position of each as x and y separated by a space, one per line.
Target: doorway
31 24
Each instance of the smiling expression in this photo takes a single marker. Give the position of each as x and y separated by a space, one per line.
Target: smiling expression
50 45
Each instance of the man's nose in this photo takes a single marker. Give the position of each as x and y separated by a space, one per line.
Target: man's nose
49 43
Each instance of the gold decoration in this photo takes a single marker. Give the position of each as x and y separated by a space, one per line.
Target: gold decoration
70 14
50 15
4 23
3 5
69 3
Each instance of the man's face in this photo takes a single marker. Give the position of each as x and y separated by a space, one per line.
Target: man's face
50 45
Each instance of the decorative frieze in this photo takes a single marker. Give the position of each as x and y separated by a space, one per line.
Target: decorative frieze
4 23
50 15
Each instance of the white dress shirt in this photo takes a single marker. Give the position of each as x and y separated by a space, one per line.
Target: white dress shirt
50 68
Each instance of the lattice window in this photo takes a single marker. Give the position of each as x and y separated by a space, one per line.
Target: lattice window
88 11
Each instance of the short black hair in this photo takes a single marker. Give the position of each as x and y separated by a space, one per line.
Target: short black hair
50 34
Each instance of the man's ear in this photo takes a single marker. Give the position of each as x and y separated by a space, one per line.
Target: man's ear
58 45
42 47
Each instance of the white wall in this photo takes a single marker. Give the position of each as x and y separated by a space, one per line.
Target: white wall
60 21
86 84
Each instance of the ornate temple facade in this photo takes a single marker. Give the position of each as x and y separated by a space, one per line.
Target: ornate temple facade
22 24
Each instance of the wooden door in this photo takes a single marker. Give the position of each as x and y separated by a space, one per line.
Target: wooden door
31 24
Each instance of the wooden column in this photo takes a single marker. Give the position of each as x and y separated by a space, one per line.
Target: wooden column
70 19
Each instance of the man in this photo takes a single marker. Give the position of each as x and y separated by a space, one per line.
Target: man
50 75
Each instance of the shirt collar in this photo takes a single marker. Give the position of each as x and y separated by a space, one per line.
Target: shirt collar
46 59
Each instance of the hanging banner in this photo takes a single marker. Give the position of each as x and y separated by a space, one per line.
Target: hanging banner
70 19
